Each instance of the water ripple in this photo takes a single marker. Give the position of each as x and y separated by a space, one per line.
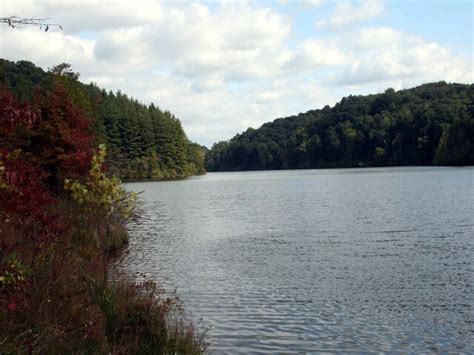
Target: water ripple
373 260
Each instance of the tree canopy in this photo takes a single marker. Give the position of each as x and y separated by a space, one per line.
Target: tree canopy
432 124
143 141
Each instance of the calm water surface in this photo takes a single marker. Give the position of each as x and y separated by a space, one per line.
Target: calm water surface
317 260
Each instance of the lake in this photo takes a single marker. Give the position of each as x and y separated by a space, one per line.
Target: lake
343 260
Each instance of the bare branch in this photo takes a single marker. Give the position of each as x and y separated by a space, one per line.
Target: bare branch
18 22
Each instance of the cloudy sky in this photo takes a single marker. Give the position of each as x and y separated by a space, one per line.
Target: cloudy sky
222 66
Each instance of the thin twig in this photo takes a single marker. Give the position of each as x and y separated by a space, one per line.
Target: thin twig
18 22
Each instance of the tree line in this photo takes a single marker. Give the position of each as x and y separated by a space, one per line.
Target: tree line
143 141
432 124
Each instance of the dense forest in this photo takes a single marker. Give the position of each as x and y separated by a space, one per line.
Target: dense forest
432 124
143 141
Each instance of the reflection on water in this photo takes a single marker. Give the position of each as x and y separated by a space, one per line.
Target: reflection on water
316 260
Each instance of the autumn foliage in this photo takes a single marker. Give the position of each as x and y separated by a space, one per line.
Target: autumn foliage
59 215
53 135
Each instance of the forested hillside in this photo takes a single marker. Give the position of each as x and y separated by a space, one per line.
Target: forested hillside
142 141
432 124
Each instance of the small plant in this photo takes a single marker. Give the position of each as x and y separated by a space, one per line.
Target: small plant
103 195
13 273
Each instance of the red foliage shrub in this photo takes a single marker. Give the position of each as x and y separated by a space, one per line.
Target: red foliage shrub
64 142
39 147
53 134
13 115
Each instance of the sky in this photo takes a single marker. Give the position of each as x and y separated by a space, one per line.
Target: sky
224 66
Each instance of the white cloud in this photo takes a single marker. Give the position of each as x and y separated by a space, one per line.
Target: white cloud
382 54
304 3
236 42
210 84
45 48
317 53
314 2
346 14
372 38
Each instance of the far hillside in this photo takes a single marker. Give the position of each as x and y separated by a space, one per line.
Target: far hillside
432 124
143 142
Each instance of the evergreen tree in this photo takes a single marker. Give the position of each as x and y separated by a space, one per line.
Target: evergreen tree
143 141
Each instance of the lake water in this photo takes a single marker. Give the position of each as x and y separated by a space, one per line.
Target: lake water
346 260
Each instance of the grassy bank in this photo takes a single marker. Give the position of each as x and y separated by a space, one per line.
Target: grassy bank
61 219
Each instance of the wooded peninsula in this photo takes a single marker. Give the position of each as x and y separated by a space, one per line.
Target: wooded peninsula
432 124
